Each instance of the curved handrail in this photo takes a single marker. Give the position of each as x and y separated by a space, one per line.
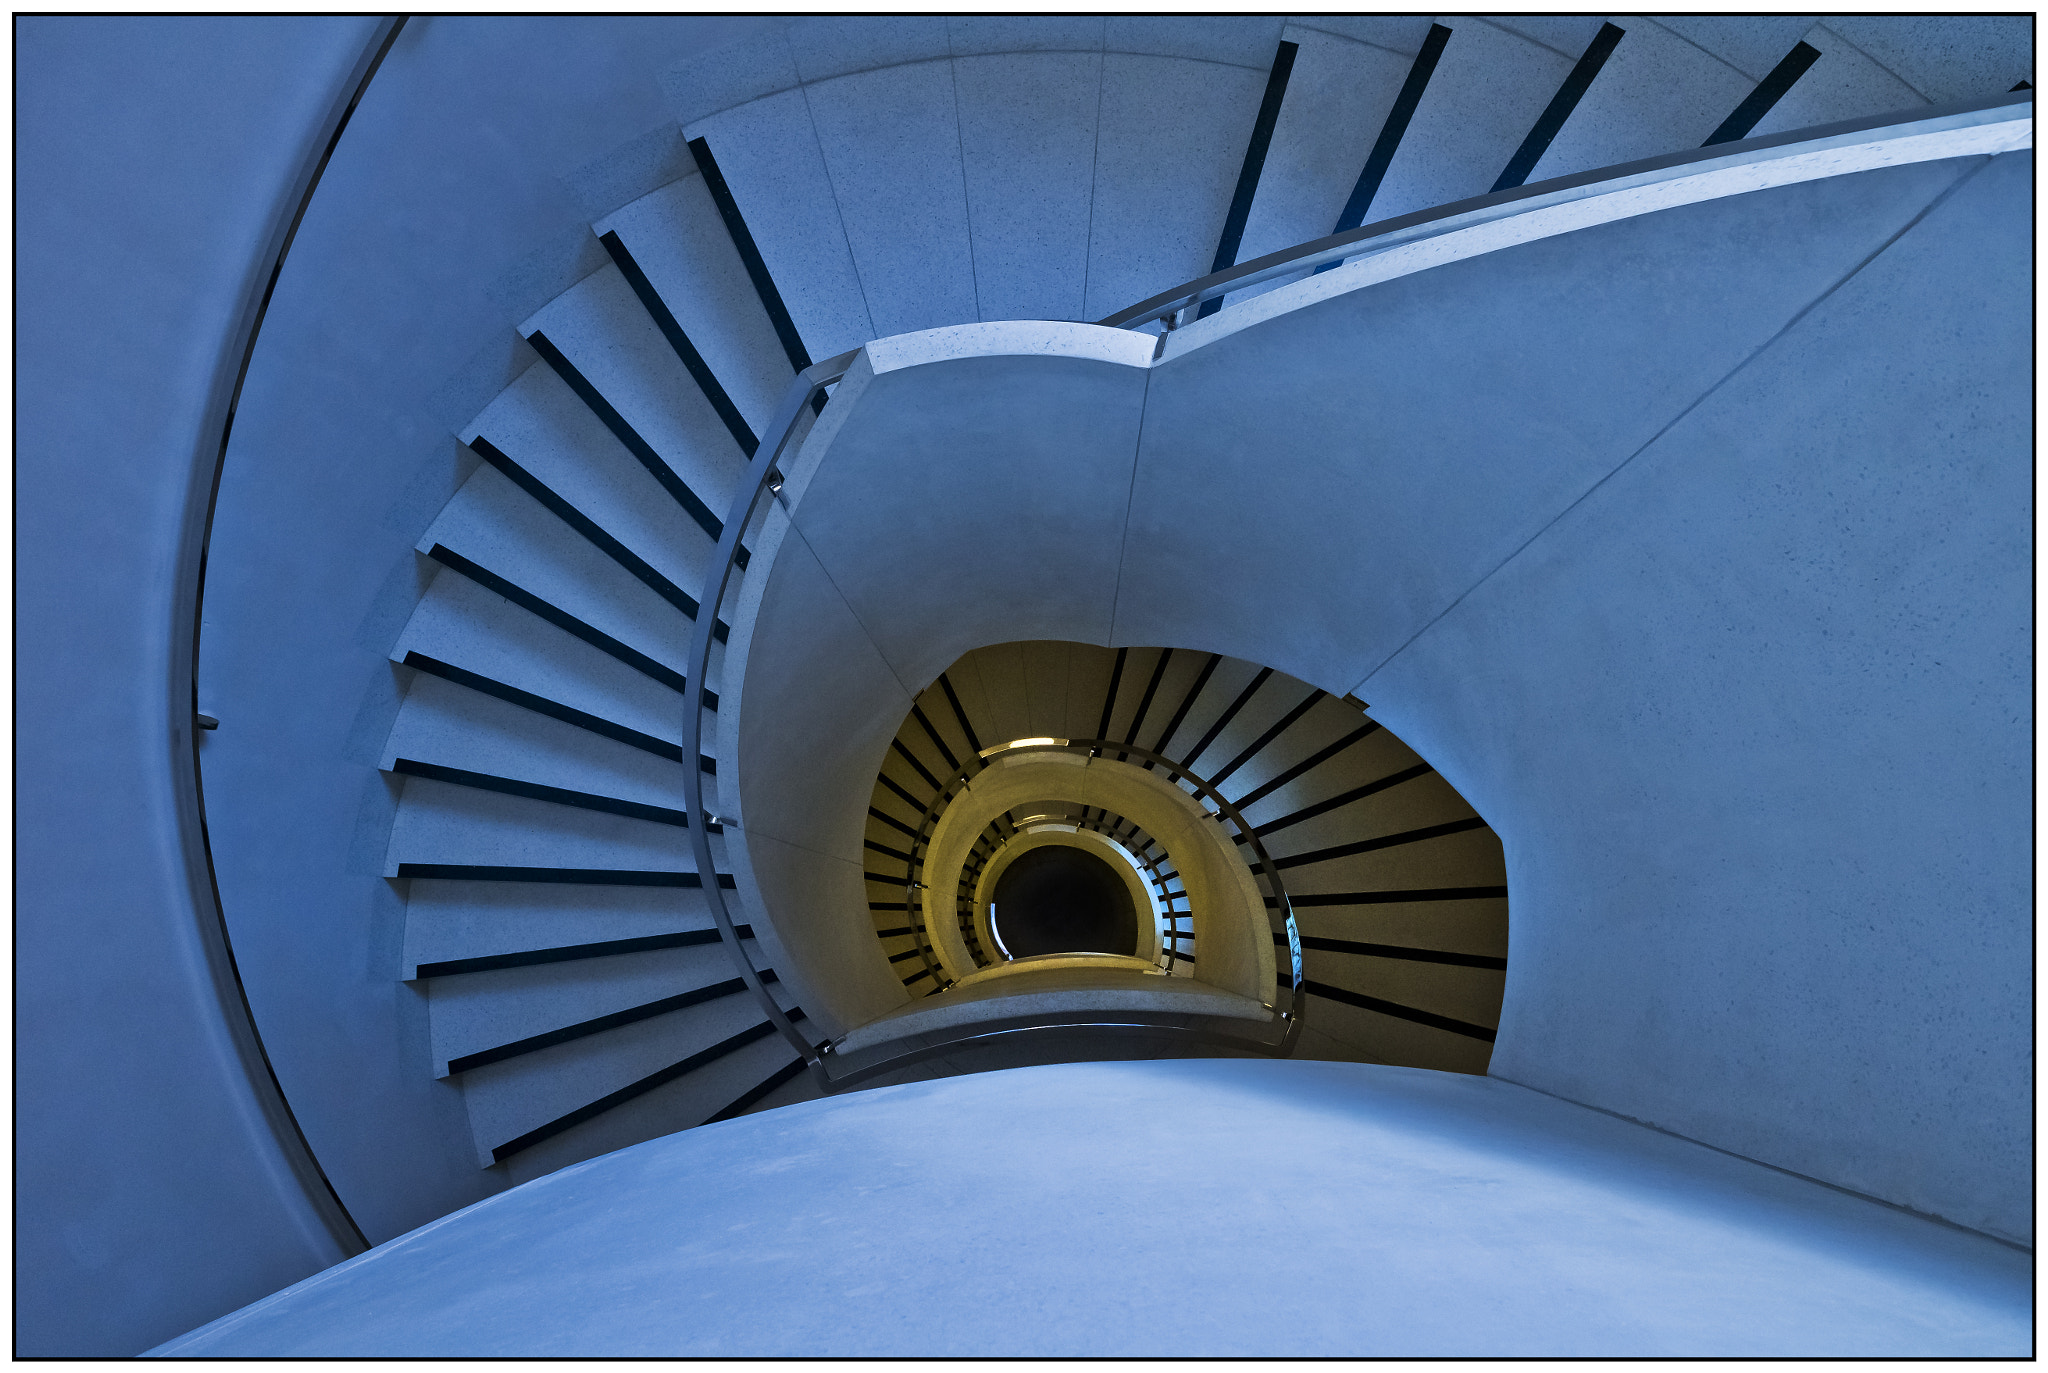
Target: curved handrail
762 476
1461 214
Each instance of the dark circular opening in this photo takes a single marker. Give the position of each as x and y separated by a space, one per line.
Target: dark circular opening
1061 899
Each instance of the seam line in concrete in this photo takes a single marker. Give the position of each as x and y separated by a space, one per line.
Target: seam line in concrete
1854 271
1776 1168
1130 498
866 633
838 210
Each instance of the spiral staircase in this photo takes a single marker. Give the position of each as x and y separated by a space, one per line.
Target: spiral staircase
577 990
604 937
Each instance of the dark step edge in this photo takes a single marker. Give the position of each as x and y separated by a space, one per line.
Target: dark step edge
1401 951
512 786
1389 841
633 1089
1392 1008
750 255
1265 740
672 330
1387 898
562 619
1314 760
569 953
786 1073
1232 237
643 452
558 506
1391 132
1342 799
555 710
582 1029
1548 124
592 877
1769 91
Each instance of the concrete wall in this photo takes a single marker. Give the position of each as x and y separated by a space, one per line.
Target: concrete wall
150 1191
1691 549
443 220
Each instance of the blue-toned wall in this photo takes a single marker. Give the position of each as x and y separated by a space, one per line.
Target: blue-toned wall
150 1192
155 156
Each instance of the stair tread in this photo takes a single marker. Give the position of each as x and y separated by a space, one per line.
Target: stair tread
446 921
1843 84
510 1098
495 525
460 622
1656 94
441 722
481 1011
543 426
441 822
686 1102
676 237
768 154
601 326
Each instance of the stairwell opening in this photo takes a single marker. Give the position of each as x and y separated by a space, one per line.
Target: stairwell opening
1062 899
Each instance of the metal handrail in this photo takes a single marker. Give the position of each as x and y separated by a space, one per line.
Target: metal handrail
1461 214
762 476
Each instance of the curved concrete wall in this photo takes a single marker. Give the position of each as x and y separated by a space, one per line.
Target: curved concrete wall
150 1191
1732 661
390 328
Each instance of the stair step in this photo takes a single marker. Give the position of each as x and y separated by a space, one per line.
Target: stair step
680 244
1338 99
601 327
1170 139
458 621
767 153
550 708
1656 94
443 723
1488 90
441 823
1751 43
480 1014
1027 143
452 923
492 524
1453 853
1843 84
510 1101
686 1100
541 425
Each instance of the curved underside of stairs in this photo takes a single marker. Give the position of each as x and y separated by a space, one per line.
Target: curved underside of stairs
1571 513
